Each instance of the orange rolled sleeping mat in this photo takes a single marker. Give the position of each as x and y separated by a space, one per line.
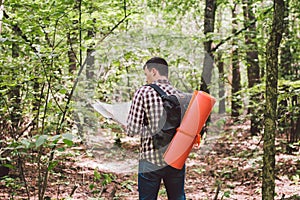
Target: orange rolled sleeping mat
188 132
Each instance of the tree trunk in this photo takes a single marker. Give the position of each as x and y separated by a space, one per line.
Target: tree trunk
1 14
286 58
295 122
285 72
209 22
220 65
288 123
71 52
236 76
89 120
15 94
73 39
268 183
297 129
253 70
90 63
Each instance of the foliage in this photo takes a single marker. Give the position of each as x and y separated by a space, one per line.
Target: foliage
45 103
36 85
104 180
287 91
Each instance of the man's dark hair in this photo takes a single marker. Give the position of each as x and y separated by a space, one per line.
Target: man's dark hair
159 64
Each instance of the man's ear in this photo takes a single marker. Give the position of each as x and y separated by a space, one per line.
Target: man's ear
154 71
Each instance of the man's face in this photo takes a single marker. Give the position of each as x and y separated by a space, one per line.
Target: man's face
149 75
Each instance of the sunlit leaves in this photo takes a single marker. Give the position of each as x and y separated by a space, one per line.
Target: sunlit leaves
41 140
68 139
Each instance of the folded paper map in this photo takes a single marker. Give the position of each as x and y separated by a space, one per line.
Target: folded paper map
117 112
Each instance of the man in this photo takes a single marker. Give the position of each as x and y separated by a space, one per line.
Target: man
144 119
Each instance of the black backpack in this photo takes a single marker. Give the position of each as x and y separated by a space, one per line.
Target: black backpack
175 107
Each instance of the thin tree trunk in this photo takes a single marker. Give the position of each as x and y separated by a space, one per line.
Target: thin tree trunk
15 94
1 14
268 183
220 65
209 23
253 70
295 120
236 76
89 119
71 52
286 59
80 30
297 128
285 71
73 39
90 63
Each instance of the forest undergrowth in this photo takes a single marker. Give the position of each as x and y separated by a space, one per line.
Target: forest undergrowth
226 166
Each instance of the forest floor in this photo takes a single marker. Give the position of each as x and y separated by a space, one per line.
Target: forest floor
228 165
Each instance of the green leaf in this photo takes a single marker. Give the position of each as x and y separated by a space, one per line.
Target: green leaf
227 194
61 149
63 91
10 166
41 140
26 143
68 136
91 186
68 142
52 165
107 179
68 139
97 175
55 139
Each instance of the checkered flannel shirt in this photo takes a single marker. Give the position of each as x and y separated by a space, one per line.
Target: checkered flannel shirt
147 108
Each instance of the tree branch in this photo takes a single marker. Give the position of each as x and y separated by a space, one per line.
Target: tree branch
58 129
19 32
217 192
79 73
116 26
238 32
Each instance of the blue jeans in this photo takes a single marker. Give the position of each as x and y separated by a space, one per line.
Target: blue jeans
149 179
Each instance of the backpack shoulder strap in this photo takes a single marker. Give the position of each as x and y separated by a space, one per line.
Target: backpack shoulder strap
157 89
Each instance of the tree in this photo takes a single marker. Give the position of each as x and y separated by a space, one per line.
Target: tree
285 69
220 65
37 80
268 184
236 75
252 62
289 119
221 68
209 24
1 14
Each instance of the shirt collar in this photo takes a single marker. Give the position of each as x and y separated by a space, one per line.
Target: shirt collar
161 81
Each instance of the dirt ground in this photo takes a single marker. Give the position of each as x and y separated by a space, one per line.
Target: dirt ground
228 165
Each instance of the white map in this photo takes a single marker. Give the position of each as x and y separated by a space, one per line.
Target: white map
117 112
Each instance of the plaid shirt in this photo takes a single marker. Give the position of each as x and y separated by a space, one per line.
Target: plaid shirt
144 115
